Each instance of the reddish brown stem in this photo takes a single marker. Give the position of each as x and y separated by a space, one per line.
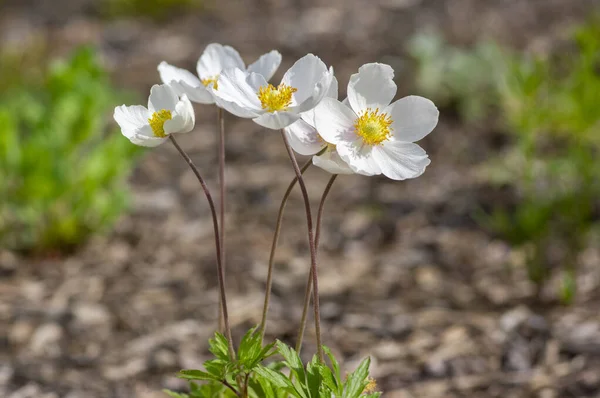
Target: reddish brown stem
308 289
311 244
220 274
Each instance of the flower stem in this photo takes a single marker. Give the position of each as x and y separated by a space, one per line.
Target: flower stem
263 323
221 122
310 275
311 244
213 211
232 388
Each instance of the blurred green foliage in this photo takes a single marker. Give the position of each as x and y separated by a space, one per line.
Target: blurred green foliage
550 105
455 77
63 170
154 9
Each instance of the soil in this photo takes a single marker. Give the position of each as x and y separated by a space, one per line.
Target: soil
407 276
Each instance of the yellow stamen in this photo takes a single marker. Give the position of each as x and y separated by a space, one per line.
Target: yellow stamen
213 80
157 122
276 98
373 127
371 386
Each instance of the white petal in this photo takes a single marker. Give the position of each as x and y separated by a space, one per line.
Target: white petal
309 116
185 82
303 138
169 73
217 58
256 81
304 75
372 87
401 160
145 137
359 157
332 162
334 121
319 92
266 65
333 89
413 118
198 94
276 120
240 88
131 118
183 119
234 108
162 96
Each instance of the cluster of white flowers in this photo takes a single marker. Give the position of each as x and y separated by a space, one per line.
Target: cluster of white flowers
366 133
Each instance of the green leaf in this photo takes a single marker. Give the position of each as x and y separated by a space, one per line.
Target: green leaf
217 367
292 360
212 390
251 352
329 379
357 380
279 380
194 387
276 365
193 374
260 387
267 351
175 395
249 346
334 364
219 347
313 377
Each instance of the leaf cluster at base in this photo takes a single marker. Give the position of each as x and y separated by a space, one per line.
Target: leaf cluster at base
249 376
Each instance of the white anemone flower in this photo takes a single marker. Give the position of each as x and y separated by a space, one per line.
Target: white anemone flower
211 63
304 139
370 134
331 161
248 95
166 114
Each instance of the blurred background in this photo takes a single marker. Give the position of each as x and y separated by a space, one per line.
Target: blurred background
478 279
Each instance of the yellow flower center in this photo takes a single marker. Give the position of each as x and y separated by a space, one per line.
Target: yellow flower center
276 98
157 122
213 80
371 386
373 126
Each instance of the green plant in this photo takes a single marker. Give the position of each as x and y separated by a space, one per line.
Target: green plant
154 9
549 105
63 169
248 376
552 106
170 113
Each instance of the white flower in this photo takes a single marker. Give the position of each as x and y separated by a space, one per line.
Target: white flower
372 135
248 95
331 161
302 135
304 139
211 63
166 114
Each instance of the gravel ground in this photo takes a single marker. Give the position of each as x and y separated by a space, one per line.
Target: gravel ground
407 276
